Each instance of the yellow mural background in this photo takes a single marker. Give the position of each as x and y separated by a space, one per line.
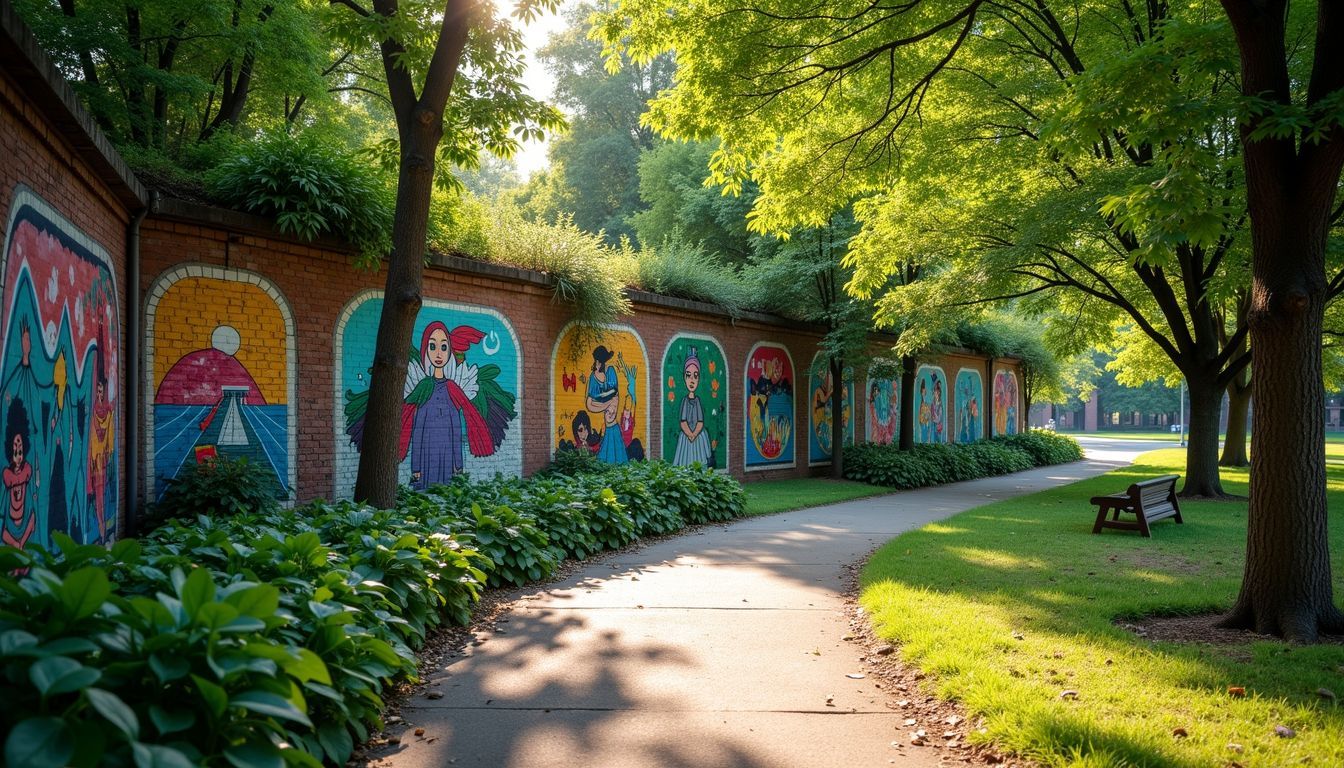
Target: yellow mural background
193 307
573 365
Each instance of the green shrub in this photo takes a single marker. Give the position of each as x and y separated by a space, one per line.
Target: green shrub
267 636
992 458
1046 448
221 487
567 462
933 464
310 187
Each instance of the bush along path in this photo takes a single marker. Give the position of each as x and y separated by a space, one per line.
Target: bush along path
267 638
729 646
939 463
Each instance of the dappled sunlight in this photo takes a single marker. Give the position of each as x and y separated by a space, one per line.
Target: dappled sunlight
939 528
992 558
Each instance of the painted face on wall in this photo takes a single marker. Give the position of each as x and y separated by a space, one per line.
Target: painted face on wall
692 378
16 451
438 349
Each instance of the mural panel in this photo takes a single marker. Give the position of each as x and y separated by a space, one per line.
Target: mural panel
1005 402
883 422
599 394
60 374
768 391
695 403
463 386
930 405
970 396
820 388
220 355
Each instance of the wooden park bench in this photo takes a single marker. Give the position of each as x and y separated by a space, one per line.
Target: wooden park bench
1149 501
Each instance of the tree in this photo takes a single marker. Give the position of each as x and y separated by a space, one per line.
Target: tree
816 105
425 50
163 75
1293 152
594 174
804 279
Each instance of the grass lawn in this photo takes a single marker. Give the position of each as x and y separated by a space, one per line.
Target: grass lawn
1011 604
771 496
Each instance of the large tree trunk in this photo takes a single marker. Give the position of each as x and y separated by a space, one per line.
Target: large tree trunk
837 419
1201 453
1290 188
1286 589
909 367
1238 401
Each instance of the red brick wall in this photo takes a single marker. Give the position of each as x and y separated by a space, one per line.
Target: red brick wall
318 280
35 155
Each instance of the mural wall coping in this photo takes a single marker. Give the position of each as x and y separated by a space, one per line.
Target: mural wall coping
33 73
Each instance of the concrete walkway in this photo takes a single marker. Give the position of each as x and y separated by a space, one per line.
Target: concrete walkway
697 651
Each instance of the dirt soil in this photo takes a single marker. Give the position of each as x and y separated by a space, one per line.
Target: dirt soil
1201 628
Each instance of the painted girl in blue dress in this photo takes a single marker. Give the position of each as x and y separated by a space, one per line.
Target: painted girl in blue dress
604 399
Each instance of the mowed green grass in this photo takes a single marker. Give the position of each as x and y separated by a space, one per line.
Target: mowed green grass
771 496
1010 605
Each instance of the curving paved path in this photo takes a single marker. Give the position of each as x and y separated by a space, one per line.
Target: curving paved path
698 650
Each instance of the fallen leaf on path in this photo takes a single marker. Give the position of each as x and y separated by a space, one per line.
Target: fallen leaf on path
1179 733
856 675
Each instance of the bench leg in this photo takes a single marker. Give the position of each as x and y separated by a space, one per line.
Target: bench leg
1101 519
1143 525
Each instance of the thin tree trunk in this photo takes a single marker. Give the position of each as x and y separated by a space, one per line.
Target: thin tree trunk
909 367
419 129
1238 401
377 481
837 419
1201 454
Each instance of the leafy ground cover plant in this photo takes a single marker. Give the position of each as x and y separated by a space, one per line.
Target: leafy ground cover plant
267 636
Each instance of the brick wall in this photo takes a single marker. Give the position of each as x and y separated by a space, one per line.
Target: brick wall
319 285
66 209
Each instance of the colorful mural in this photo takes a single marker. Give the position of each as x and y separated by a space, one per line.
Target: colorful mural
883 421
695 403
768 393
59 374
931 405
463 386
820 389
599 394
220 357
1005 402
970 397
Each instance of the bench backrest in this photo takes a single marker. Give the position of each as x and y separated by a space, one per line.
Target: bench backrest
1155 493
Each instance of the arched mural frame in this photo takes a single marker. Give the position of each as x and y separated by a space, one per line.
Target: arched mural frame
649 450
956 402
158 289
1016 425
338 365
947 385
746 418
867 421
25 197
727 393
811 426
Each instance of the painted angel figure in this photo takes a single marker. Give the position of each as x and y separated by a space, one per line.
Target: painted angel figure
450 404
